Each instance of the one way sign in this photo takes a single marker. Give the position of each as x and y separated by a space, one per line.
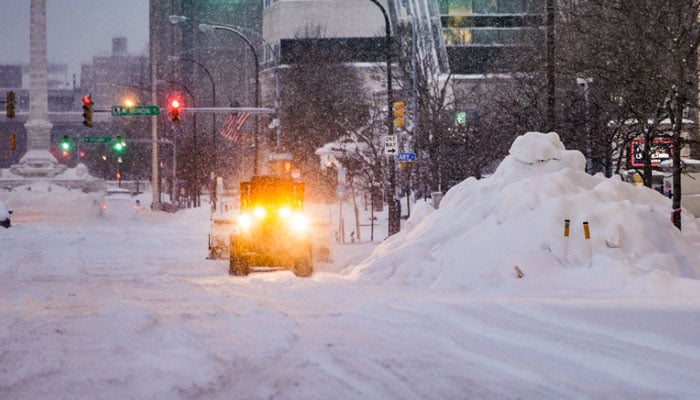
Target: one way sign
390 145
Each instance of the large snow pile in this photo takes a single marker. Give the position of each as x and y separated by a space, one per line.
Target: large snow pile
516 217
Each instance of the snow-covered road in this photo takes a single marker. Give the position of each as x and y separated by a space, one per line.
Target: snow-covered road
95 309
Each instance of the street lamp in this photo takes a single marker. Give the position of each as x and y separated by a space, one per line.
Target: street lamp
213 101
210 28
394 217
194 139
204 27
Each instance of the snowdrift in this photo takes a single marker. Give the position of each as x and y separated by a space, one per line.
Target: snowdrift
516 217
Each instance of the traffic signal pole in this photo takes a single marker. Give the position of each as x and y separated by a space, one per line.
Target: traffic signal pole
152 51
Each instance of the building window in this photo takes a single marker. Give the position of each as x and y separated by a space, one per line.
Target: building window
492 37
271 53
457 36
467 7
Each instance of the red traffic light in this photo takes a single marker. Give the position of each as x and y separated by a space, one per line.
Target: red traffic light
87 110
175 110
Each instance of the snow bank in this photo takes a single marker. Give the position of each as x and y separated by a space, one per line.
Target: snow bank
516 217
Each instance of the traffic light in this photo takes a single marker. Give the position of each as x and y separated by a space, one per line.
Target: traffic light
399 114
175 110
12 141
87 110
65 144
119 145
10 104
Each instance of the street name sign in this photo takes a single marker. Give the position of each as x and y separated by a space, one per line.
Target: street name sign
406 157
97 139
135 111
279 156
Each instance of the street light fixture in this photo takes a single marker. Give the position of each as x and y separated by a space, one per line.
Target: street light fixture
204 27
215 149
210 28
176 96
394 217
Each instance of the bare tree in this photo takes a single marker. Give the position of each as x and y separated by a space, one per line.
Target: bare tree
642 54
320 101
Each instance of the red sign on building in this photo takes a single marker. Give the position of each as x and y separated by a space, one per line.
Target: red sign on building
660 151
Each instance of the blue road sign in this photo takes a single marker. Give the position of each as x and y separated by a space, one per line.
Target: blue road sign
406 157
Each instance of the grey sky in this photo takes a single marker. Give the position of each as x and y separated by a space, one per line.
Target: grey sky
76 29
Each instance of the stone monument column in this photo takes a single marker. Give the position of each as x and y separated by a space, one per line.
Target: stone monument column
38 160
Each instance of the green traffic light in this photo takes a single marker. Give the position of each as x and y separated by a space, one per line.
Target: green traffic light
119 145
65 143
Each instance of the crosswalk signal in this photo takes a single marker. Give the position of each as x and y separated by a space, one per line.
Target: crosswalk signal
175 110
13 145
87 110
399 114
10 104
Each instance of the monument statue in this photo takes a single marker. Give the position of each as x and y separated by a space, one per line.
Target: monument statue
38 160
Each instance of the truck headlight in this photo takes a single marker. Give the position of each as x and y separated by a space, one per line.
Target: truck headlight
299 223
244 220
259 212
285 212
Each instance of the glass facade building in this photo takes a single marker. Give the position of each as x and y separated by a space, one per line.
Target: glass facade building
484 36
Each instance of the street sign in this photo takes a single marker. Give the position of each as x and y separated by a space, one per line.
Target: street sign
391 146
135 111
279 156
406 157
97 139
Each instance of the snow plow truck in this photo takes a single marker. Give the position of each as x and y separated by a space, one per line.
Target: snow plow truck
272 231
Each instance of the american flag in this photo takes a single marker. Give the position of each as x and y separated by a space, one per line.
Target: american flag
231 128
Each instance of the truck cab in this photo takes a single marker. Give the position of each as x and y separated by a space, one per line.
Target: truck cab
272 231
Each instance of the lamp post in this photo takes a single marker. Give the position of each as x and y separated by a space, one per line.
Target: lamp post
203 27
194 140
394 218
213 101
